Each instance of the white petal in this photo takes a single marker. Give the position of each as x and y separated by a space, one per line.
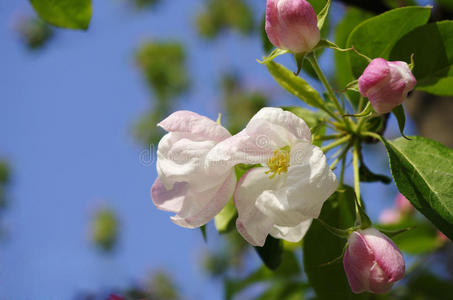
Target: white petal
251 223
169 200
196 126
309 183
286 120
270 129
199 208
291 234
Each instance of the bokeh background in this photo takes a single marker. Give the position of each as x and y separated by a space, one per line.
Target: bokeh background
77 144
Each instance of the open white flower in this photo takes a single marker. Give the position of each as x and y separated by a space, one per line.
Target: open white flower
283 195
184 185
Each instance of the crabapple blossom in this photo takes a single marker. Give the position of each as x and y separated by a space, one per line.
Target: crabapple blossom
372 262
184 185
386 84
292 25
288 189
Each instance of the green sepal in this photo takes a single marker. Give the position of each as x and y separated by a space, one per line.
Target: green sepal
401 118
277 52
322 16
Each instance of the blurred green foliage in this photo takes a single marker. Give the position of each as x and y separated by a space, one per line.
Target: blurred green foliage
72 14
34 32
105 229
142 4
240 103
219 15
163 65
4 180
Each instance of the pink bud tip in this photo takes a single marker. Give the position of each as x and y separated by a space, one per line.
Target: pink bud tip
292 25
403 205
372 262
386 84
114 297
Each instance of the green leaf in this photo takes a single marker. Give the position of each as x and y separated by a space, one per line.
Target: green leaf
294 84
366 175
420 239
433 59
323 15
401 118
288 269
271 252
376 36
322 249
224 220
423 172
72 14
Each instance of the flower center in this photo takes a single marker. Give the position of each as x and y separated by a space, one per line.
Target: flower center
279 162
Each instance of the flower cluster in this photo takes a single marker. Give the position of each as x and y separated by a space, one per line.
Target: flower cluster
288 178
280 196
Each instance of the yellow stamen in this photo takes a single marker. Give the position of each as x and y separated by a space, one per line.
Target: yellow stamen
278 163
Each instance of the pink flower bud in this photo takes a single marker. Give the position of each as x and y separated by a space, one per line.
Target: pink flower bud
386 84
114 297
292 25
403 205
372 262
390 216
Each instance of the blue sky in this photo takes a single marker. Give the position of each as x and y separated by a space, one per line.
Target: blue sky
66 118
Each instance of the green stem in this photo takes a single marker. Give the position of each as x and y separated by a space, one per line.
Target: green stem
314 62
373 135
335 144
355 164
341 157
329 137
343 167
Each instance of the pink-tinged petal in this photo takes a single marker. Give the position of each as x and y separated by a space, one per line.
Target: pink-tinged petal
375 73
169 200
292 25
386 84
251 223
357 261
307 186
298 28
272 30
199 127
197 210
183 160
291 234
386 253
372 262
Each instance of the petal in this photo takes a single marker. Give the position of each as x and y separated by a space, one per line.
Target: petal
199 208
291 234
357 261
309 183
181 159
386 253
251 223
199 127
169 200
375 73
270 129
288 121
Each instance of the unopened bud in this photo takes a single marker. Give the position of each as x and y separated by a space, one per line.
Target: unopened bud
292 25
372 262
386 84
